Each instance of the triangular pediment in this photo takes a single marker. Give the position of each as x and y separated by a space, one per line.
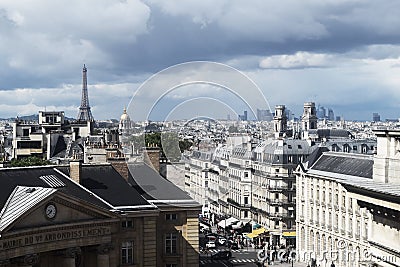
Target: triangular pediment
29 207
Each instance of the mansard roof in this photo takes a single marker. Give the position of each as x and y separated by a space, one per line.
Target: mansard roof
345 163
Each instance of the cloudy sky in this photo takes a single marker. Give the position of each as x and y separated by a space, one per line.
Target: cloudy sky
344 55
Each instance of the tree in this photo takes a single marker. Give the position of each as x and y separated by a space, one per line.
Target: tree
29 161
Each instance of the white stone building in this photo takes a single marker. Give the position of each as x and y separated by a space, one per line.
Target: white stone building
349 206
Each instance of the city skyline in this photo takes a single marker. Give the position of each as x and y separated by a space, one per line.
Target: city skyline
344 55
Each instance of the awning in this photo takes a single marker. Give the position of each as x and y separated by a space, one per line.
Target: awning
251 235
237 225
227 222
291 234
204 225
257 232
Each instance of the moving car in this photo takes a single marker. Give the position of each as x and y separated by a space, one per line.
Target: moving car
222 255
233 245
221 240
211 244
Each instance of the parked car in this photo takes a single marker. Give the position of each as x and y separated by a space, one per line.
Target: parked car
221 240
211 244
222 255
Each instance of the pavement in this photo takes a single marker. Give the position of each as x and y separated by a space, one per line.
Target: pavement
285 264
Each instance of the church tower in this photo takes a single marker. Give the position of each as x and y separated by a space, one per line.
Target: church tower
309 118
280 121
84 113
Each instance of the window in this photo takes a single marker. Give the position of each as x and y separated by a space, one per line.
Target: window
246 174
25 132
171 216
246 214
170 243
127 252
206 184
246 201
127 224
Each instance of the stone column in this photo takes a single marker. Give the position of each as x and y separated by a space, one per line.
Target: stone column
103 258
4 263
26 261
69 256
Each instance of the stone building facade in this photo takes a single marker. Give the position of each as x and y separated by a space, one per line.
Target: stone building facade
89 215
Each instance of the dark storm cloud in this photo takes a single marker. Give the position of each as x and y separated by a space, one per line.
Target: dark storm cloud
124 42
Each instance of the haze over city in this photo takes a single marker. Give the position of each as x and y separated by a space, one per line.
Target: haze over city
344 55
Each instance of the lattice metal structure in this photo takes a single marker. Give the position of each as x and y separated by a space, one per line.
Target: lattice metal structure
84 113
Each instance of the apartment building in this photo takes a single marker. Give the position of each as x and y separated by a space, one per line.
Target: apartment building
348 206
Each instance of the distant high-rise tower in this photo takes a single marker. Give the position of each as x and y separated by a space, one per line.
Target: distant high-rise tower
376 117
84 113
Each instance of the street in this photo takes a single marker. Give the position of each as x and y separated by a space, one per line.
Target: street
241 257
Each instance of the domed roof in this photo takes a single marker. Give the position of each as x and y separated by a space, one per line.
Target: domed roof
125 116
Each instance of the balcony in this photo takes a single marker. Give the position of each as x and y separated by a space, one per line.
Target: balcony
281 202
281 188
350 210
28 151
283 215
350 234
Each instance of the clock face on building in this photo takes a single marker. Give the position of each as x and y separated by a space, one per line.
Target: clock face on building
50 211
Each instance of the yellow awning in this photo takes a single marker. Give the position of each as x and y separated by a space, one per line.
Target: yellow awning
256 232
289 234
251 235
259 230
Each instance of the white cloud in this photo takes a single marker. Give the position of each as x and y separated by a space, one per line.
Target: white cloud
298 60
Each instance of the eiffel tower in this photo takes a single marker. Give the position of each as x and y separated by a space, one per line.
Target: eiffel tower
84 113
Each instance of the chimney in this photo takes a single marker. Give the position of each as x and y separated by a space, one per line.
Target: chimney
152 157
120 165
75 170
